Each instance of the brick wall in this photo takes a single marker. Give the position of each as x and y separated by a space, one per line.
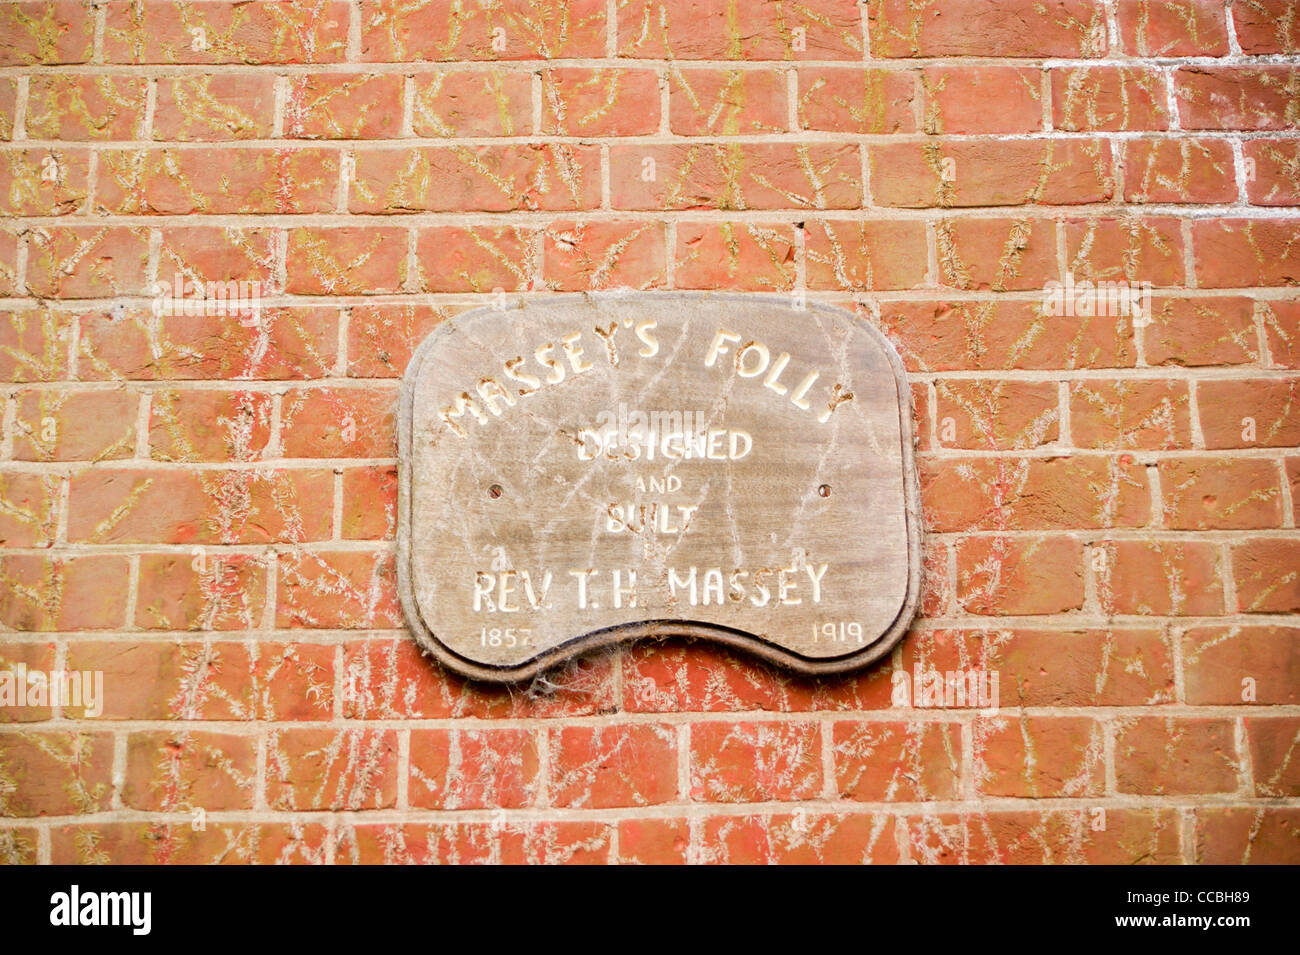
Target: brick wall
201 507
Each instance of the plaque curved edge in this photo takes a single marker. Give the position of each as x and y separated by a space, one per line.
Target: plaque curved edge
428 641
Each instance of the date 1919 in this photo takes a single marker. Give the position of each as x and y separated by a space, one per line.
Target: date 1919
831 632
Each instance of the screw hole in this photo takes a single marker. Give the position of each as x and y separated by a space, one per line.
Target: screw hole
495 491
824 490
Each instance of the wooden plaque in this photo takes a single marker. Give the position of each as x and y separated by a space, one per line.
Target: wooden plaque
585 470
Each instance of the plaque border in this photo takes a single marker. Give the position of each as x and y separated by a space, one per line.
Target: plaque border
587 642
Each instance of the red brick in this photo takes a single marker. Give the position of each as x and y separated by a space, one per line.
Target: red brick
157 680
1063 493
85 107
42 182
799 838
957 173
452 103
1054 668
369 503
30 514
381 338
1281 321
675 677
996 254
339 422
1272 171
351 590
1128 249
740 30
218 180
63 593
991 415
897 762
853 255
582 256
556 843
947 336
706 102
275 344
1179 170
1217 662
856 100
474 259
1293 478
735 176
578 101
1233 97
1164 577
755 762
201 592
1130 413
259 31
734 255
1033 757
473 769
316 769
1108 98
1070 837
346 260
8 105
18 845
157 843
573 843
344 106
613 765
75 425
55 774
1266 576
186 770
205 255
1151 28
653 841
8 262
87 261
1201 331
62 31
166 506
1220 493
1273 744
1057 28
1019 576
1247 836
33 343
1272 404
209 425
1232 253
1267 26
198 108
1173 756
536 176
982 99
447 30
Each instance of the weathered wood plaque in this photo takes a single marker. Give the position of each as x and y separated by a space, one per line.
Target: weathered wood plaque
594 469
